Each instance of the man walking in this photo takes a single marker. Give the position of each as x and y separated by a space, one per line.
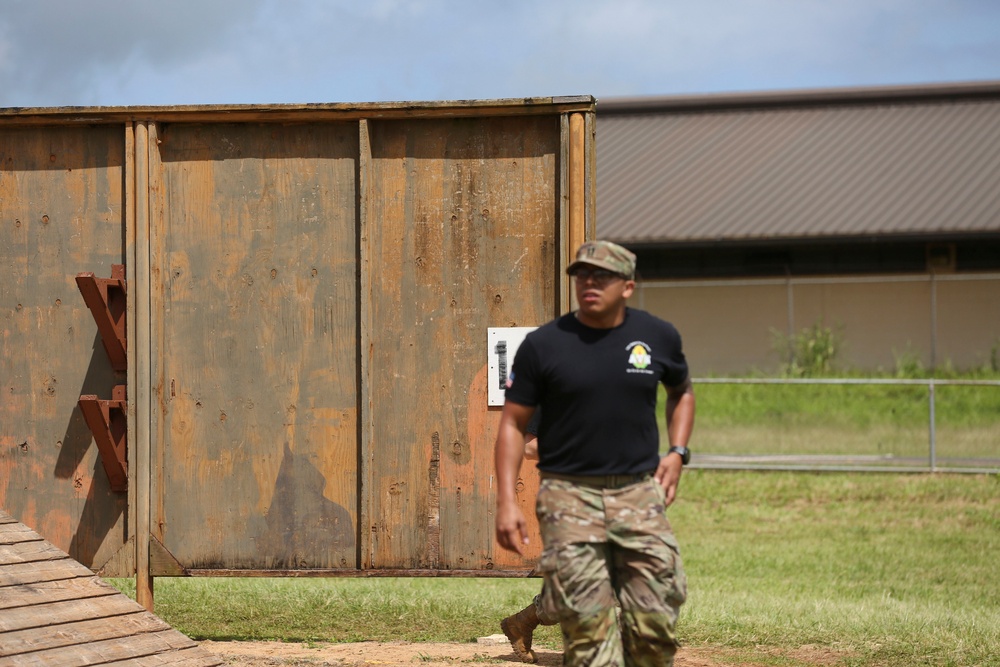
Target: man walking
604 488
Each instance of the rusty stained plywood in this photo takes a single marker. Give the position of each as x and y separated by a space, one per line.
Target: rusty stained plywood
255 358
463 235
61 213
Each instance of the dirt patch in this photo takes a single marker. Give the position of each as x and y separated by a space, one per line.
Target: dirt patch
408 654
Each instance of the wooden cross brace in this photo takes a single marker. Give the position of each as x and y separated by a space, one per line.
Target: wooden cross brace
106 299
108 422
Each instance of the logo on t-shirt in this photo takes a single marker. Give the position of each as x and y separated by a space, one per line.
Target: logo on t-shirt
639 356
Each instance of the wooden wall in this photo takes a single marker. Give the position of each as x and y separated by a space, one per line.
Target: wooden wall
310 292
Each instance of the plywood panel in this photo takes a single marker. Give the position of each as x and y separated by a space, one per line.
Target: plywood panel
61 213
255 260
462 220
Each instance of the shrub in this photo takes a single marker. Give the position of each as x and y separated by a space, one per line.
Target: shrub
908 365
810 353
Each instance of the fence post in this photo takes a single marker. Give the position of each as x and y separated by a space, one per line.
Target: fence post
933 429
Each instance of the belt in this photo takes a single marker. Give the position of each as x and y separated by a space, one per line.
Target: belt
601 481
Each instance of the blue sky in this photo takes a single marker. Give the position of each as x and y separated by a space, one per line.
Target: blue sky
138 52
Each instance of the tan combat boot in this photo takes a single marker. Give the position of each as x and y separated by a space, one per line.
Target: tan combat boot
518 629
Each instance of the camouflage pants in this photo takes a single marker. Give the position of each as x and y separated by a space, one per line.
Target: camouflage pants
544 617
608 546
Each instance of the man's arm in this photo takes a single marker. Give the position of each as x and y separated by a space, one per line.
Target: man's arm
511 528
680 423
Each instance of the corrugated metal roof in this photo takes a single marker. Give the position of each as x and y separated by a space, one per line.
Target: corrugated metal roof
857 163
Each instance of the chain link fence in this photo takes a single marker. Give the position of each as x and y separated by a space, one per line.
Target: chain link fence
878 425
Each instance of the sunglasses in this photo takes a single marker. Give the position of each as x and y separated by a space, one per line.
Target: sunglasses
599 276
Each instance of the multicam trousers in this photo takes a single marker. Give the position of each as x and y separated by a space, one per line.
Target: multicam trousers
604 547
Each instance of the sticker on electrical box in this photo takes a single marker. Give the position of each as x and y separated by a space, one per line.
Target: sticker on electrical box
502 344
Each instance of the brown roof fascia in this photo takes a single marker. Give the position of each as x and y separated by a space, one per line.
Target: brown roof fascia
798 241
297 112
946 92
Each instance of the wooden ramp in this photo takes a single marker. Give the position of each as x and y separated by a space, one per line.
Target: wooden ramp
56 612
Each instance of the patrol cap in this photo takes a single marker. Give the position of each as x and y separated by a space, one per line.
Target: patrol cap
605 255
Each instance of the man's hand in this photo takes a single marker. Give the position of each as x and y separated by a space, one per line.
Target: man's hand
512 530
668 475
680 421
508 454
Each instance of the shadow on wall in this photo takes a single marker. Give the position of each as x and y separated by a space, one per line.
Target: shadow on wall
302 524
103 507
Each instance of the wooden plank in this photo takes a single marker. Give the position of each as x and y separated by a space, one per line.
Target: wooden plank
30 552
590 148
54 614
565 291
101 651
148 313
366 336
12 574
14 533
510 573
23 595
123 628
123 563
577 184
312 113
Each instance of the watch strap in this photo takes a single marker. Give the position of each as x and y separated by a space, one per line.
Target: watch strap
684 453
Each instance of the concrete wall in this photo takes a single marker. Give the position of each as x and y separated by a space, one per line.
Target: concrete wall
729 326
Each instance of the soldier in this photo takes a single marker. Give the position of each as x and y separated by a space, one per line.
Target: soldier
604 488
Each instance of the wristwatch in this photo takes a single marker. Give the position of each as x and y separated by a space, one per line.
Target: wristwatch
684 452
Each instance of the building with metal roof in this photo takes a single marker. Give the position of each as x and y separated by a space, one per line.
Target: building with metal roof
803 182
875 211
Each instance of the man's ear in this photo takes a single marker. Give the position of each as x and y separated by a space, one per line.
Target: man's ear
629 288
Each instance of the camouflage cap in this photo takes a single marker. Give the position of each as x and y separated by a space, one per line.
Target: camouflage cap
605 255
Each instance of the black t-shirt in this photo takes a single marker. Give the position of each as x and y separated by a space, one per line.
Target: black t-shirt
597 388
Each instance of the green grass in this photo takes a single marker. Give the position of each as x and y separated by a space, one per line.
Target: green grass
880 569
889 569
339 610
885 421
